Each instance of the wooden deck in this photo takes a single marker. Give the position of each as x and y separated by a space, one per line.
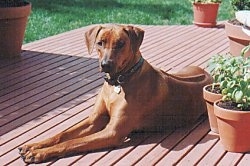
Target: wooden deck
53 87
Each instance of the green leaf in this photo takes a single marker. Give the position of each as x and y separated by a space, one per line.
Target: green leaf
224 91
243 84
231 84
224 98
238 96
244 50
247 77
240 106
220 77
223 84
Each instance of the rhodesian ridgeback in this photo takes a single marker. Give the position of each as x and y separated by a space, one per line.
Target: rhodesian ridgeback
134 96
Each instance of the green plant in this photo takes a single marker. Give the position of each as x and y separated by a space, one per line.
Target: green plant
206 1
233 74
240 4
219 67
237 88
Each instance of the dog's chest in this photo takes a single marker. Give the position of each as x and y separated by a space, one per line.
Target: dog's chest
113 96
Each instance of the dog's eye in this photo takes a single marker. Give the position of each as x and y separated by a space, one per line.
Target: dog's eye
119 44
100 43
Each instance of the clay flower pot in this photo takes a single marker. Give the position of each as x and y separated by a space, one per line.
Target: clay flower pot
210 98
12 28
205 15
237 39
234 129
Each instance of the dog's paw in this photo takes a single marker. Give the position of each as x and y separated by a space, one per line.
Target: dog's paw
26 148
33 157
23 150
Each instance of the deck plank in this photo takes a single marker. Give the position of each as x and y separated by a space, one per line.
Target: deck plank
53 85
245 160
196 154
164 147
230 159
213 156
185 146
140 151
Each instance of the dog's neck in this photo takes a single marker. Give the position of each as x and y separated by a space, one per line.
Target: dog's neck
123 76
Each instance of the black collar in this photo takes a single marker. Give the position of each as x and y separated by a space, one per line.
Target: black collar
120 78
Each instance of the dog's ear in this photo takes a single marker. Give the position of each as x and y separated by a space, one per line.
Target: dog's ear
90 37
136 36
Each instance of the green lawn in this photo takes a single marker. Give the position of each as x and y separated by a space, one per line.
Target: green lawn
50 17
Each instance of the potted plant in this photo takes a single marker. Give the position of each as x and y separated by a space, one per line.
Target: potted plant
205 12
237 38
13 19
218 67
243 17
212 92
233 110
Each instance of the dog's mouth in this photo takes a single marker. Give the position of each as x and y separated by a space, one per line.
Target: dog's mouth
109 69
106 70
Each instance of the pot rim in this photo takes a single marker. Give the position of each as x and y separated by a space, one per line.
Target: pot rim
207 94
234 115
206 4
230 31
15 12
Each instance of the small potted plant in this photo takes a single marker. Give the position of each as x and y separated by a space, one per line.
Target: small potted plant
218 67
13 19
233 110
243 17
237 38
212 93
205 12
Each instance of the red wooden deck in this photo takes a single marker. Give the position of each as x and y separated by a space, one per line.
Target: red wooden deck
53 87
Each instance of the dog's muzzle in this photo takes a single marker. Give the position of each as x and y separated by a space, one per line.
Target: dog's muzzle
107 66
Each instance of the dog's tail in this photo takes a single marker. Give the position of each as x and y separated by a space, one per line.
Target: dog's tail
192 74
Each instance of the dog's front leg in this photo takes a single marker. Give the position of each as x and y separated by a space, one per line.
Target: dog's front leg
95 122
84 128
111 136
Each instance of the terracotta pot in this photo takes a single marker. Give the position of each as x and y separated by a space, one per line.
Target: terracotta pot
237 39
205 15
234 128
210 98
12 28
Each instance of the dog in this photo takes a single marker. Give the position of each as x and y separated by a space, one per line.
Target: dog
134 96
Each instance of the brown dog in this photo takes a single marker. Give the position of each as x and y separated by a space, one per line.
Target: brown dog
135 96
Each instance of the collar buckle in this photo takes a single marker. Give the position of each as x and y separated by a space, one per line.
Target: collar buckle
121 79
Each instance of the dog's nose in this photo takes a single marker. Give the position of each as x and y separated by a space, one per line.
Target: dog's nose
106 66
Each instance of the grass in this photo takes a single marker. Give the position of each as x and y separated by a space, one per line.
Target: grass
52 17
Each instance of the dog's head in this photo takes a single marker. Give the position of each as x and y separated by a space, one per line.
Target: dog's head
116 45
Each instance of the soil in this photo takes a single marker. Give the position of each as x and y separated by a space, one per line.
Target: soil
235 22
12 3
230 105
215 90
